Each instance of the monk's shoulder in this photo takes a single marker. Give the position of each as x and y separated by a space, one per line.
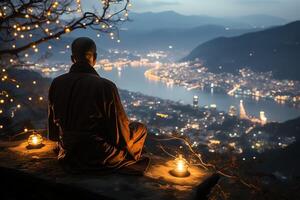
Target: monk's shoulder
107 83
58 80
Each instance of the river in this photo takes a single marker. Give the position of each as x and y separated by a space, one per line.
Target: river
133 79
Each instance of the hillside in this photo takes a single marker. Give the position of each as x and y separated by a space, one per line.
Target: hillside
275 49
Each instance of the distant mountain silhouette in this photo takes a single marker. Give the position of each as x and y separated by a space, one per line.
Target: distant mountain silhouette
160 39
276 49
171 19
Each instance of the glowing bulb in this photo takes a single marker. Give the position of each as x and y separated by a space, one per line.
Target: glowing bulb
41 98
67 30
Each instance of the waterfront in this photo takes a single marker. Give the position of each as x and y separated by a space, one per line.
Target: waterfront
133 79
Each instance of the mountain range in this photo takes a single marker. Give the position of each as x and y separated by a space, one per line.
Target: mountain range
275 49
171 19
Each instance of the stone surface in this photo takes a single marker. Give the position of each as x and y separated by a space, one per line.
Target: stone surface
157 183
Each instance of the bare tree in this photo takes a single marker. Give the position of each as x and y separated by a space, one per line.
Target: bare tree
24 24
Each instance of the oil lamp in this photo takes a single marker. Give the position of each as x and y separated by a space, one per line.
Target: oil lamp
180 167
35 141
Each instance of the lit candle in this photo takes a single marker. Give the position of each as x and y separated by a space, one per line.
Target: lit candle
180 167
35 141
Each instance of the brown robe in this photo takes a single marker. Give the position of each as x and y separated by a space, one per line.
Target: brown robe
88 120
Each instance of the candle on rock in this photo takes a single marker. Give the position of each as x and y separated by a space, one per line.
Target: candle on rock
35 141
180 167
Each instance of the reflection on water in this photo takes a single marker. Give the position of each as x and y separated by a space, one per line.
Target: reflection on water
133 79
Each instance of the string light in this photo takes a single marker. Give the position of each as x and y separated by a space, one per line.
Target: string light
50 24
67 30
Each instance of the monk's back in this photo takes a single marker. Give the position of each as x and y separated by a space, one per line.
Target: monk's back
79 101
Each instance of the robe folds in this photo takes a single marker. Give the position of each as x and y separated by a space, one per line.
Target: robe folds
87 119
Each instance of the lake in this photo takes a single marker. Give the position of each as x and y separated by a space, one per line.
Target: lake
133 79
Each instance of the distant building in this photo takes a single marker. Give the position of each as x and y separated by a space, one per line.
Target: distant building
195 101
213 106
232 111
262 117
243 114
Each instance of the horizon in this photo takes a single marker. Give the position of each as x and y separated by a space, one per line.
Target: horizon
220 8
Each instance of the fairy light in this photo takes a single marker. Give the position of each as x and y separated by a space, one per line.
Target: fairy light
67 30
51 19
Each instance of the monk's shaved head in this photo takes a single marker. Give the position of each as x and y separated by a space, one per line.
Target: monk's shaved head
83 49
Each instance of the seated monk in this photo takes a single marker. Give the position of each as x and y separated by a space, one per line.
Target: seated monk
86 116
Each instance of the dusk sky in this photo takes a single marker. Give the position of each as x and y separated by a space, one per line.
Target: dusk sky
288 9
